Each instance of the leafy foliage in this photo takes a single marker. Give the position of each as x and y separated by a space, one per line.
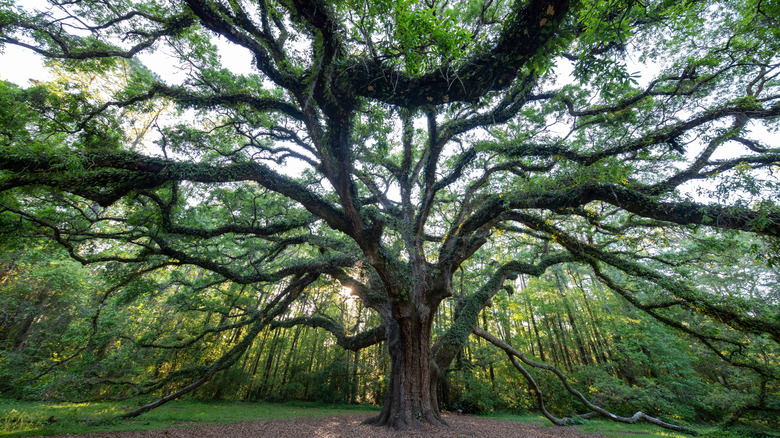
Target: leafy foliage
432 164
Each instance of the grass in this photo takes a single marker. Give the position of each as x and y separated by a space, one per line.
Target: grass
642 430
605 428
19 418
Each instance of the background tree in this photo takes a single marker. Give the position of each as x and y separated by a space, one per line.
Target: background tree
390 155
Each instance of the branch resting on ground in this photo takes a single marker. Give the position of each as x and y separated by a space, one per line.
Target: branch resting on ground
261 319
512 353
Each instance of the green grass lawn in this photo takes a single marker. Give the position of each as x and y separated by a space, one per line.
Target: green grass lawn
642 429
606 428
33 418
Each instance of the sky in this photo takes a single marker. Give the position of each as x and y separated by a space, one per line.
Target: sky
19 65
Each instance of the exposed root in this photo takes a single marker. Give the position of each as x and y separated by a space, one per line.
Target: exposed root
595 410
401 422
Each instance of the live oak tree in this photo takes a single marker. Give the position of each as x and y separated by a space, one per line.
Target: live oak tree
384 145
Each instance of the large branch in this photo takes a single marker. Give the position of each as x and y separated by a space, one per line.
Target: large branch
68 46
513 101
671 133
311 266
213 18
113 175
665 135
355 342
717 311
682 213
447 345
511 352
188 98
327 46
633 201
526 30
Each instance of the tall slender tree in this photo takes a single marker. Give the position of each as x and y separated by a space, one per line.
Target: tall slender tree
383 144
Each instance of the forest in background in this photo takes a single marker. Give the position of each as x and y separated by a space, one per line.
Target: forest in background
623 359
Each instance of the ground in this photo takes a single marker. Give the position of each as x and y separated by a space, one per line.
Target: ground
350 426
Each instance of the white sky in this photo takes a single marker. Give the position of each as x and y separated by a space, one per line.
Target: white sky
19 65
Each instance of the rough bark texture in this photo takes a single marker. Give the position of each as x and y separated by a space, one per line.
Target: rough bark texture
411 397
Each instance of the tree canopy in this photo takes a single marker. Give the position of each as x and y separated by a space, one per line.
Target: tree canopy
389 147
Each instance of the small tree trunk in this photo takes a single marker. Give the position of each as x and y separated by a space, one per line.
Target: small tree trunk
353 390
584 356
410 399
536 329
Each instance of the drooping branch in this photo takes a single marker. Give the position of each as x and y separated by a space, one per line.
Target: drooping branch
94 319
224 362
718 312
447 345
708 340
511 352
260 319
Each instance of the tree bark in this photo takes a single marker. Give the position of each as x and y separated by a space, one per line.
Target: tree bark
411 398
536 329
584 356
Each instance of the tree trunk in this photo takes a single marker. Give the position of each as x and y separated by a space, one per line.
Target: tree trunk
536 329
410 399
584 356
353 389
309 366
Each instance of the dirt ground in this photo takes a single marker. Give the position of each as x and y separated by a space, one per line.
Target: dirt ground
350 426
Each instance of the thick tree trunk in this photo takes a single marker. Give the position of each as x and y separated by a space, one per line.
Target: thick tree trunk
410 400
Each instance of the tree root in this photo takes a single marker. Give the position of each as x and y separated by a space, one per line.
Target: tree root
595 410
399 423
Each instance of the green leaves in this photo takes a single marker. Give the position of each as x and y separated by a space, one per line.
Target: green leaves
426 36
